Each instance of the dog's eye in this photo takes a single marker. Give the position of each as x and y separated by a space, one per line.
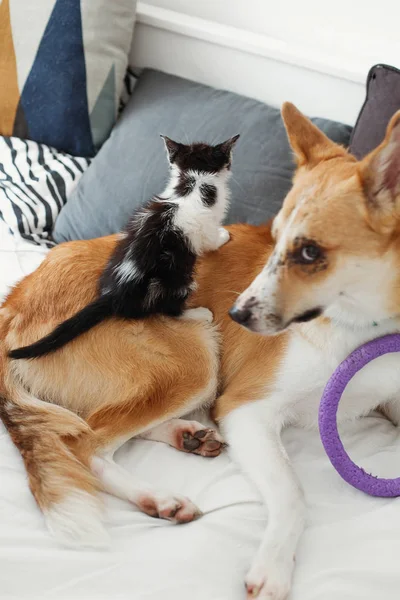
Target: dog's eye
309 253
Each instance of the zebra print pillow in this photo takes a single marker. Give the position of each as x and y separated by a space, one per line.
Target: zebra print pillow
35 182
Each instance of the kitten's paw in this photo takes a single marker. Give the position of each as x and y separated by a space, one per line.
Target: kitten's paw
198 314
223 236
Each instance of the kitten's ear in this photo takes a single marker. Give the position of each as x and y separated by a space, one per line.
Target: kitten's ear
171 147
227 147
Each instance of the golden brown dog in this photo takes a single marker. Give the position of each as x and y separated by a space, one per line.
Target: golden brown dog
331 282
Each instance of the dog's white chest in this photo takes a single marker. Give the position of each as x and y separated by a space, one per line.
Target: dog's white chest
306 369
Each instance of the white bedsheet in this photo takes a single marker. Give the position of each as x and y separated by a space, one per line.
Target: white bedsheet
350 550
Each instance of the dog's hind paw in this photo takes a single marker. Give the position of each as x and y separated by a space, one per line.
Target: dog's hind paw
193 437
177 509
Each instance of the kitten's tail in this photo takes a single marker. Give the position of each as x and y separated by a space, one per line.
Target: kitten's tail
68 330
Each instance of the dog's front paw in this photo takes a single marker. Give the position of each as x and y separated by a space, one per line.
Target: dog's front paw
269 579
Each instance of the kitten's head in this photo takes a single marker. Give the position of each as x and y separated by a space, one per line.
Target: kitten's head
200 157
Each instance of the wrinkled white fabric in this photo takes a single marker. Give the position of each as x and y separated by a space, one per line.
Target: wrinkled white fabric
349 551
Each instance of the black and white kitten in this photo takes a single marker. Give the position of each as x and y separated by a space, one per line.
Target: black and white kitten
152 267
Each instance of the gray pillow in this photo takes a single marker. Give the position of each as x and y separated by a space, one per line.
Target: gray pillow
132 166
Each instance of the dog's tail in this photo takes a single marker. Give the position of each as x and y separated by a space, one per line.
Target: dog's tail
53 441
90 316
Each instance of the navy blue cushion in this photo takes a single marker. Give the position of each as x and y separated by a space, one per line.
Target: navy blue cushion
61 70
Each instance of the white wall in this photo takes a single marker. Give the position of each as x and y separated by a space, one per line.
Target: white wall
356 29
315 53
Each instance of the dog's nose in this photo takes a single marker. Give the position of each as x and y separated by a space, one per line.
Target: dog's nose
240 315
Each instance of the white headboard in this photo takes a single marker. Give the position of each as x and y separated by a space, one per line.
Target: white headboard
320 70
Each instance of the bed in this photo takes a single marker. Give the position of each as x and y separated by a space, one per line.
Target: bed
351 547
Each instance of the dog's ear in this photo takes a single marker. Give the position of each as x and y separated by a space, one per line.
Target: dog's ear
308 143
380 178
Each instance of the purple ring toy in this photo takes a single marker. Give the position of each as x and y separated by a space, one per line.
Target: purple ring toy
350 472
